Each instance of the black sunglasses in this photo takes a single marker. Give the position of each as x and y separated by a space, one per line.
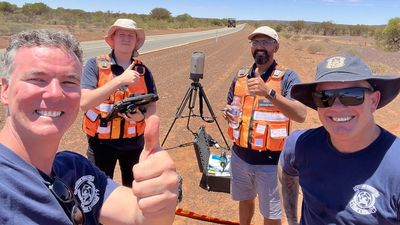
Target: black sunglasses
65 196
347 96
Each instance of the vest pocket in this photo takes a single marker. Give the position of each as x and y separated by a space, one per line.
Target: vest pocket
277 132
258 136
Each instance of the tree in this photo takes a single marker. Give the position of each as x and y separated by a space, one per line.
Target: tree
298 26
35 8
327 28
183 18
391 34
6 7
160 14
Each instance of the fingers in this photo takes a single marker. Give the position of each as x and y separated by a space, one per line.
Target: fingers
156 183
156 166
224 110
256 85
129 76
253 82
151 137
156 180
135 115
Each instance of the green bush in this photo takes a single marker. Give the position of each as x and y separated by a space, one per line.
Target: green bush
286 35
315 48
378 68
354 51
307 37
296 38
300 46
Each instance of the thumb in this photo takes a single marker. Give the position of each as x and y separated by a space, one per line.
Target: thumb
151 137
131 66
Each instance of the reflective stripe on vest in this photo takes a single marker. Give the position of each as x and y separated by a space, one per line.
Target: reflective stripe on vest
263 127
94 123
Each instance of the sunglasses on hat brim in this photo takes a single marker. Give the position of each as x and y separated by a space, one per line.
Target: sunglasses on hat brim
347 96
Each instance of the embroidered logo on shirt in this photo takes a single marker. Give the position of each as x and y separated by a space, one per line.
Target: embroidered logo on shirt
363 201
86 192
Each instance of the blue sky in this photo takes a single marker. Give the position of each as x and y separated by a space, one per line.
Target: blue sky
369 12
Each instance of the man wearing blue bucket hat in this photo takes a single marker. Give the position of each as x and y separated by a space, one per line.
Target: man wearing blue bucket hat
348 169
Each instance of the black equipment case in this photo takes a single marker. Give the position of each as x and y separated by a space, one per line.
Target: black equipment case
208 181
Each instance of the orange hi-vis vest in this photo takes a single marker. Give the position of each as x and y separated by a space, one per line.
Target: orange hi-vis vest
94 122
263 127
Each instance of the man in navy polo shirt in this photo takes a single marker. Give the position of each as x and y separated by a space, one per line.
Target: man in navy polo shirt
348 169
41 73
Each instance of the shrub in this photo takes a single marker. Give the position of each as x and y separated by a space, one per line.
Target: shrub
300 46
307 37
354 51
296 38
286 35
314 48
378 68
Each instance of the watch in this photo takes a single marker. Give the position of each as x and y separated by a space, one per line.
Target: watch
271 94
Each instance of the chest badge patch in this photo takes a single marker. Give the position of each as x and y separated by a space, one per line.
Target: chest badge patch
363 201
86 192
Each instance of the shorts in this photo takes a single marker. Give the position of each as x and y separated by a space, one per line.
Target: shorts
248 181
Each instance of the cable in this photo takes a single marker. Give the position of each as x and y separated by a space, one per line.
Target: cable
196 216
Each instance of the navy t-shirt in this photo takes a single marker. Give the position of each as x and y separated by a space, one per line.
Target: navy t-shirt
25 198
289 79
338 188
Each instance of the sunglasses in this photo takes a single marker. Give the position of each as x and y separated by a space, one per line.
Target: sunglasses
262 43
348 96
65 196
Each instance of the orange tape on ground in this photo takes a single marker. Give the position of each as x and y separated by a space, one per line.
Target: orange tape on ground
196 216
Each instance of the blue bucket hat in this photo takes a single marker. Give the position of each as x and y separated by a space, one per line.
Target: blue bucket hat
345 68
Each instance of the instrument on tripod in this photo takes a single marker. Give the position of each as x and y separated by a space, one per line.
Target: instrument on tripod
195 88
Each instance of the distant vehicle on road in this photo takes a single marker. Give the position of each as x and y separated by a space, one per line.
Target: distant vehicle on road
231 22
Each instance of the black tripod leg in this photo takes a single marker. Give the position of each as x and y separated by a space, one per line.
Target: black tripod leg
192 103
179 111
203 95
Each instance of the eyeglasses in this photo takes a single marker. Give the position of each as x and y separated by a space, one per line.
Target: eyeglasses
348 96
262 43
65 196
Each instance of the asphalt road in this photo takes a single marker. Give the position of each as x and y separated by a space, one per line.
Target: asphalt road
158 42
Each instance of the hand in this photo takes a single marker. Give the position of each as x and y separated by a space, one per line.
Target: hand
135 115
129 76
226 113
257 86
156 180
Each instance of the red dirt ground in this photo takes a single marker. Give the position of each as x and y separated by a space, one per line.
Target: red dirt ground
224 56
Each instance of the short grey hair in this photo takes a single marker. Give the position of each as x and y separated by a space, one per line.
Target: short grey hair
41 37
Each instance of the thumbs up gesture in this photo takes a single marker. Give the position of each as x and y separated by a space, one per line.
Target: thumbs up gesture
129 76
156 180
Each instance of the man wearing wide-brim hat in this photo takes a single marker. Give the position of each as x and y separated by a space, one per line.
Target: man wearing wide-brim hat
108 79
348 168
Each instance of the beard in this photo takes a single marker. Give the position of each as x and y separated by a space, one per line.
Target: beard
261 57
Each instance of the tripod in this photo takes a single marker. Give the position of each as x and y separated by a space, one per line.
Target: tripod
190 97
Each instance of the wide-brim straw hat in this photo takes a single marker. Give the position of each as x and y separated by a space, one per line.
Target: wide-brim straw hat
346 68
126 24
